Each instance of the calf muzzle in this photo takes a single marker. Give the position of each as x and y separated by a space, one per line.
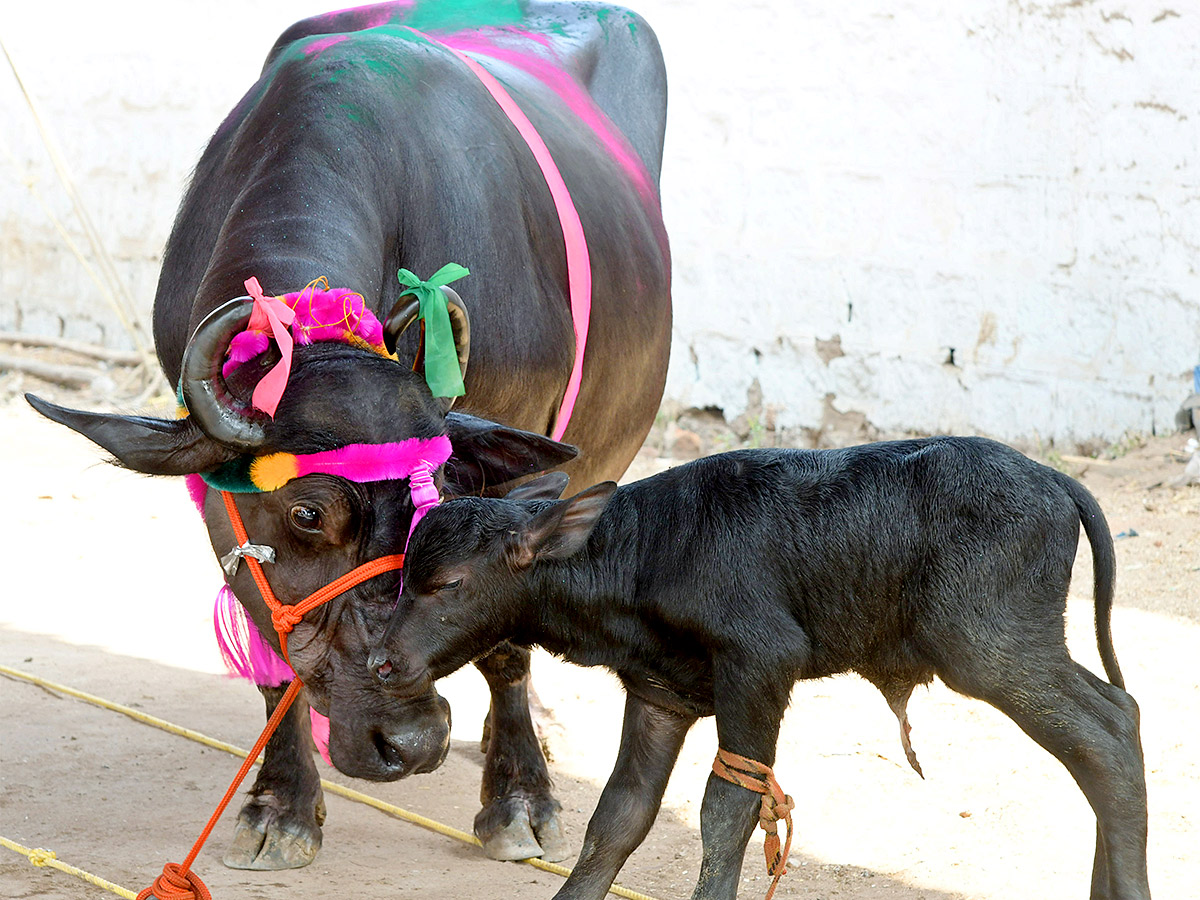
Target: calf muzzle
396 677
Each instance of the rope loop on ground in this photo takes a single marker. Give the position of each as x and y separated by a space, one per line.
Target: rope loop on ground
176 883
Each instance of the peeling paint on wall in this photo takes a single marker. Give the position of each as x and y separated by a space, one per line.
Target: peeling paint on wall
993 207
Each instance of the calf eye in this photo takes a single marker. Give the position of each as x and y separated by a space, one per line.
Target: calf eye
450 585
305 518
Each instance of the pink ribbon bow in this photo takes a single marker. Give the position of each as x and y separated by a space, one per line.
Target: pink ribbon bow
273 313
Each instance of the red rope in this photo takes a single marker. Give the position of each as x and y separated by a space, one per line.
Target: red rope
283 616
758 777
177 881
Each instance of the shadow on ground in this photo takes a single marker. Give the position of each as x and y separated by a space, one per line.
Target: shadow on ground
120 798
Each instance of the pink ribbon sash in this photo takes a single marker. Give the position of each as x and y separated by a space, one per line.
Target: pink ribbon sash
579 267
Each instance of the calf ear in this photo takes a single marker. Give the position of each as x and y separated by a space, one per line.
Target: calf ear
561 530
487 454
152 446
545 487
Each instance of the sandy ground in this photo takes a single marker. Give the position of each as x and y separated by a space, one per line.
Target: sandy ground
109 589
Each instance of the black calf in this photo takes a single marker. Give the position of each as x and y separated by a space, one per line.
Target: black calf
711 588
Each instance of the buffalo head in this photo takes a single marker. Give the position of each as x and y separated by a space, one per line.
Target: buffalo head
322 526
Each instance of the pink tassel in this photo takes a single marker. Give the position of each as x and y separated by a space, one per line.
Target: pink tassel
248 656
243 649
320 733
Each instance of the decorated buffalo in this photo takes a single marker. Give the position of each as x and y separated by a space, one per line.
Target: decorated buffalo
376 143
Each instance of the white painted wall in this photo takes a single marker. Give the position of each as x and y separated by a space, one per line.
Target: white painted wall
887 181
131 90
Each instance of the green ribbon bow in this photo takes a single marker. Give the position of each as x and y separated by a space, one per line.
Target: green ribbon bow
442 372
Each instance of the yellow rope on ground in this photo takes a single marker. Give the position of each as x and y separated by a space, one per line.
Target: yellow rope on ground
331 787
40 857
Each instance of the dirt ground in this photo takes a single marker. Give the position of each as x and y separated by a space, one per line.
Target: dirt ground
109 589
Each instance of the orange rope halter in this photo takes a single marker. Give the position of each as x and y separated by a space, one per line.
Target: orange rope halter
758 777
285 617
177 881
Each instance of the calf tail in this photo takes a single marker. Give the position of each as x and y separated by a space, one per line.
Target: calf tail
1104 567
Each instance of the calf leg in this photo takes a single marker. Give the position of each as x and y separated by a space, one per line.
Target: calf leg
651 738
279 825
750 701
1091 727
519 818
728 817
1104 881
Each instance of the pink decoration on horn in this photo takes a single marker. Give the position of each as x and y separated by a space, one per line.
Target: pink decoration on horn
276 315
321 314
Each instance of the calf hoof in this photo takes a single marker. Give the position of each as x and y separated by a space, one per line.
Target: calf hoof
509 831
269 838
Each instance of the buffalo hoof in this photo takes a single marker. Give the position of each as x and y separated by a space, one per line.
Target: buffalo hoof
508 831
554 843
512 841
269 838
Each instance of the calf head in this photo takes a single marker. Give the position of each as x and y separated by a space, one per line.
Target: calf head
467 578
322 525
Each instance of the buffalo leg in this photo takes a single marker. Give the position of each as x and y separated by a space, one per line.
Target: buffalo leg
1091 727
650 741
749 711
279 825
519 818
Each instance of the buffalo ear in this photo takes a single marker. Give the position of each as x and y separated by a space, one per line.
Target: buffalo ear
487 454
545 487
562 529
152 446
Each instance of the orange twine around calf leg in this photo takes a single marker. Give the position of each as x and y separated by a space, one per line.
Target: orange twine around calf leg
776 805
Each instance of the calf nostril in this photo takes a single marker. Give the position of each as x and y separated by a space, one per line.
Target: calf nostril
380 663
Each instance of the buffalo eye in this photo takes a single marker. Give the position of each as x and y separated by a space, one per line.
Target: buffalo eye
450 585
305 517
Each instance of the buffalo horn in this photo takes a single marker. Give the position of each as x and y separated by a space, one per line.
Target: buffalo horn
211 404
408 309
